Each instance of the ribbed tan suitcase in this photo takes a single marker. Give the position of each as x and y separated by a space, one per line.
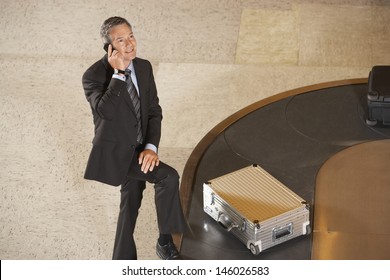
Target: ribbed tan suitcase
255 207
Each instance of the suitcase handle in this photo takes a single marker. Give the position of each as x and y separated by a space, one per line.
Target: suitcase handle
225 222
279 232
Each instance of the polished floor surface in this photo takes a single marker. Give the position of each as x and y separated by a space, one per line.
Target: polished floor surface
293 136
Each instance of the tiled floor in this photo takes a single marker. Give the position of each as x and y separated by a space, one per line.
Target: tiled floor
211 58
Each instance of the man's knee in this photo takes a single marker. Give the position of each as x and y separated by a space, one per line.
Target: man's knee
173 174
167 173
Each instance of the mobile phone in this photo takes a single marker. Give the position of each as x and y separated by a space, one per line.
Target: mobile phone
105 47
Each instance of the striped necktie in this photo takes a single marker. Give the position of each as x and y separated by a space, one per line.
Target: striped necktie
136 103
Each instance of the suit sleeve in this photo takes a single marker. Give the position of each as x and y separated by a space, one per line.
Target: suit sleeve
104 100
153 133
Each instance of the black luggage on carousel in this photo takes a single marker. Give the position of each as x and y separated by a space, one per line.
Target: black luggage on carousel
378 97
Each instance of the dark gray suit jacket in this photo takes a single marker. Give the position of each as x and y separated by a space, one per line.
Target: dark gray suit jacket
115 121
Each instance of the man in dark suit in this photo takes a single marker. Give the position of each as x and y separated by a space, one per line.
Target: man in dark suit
127 117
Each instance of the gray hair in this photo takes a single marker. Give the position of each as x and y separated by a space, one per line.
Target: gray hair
108 24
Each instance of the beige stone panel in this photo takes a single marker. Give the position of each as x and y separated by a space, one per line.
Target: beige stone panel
268 4
268 36
196 97
286 4
192 31
335 35
173 31
381 35
55 28
338 2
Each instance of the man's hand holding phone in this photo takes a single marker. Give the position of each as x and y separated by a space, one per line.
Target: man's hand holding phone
115 58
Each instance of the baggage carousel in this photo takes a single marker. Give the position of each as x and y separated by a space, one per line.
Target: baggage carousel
314 140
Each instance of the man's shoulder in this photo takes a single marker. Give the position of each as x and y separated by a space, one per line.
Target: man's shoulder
142 62
100 64
97 68
142 66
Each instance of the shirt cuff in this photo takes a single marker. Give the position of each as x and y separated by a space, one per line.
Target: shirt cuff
119 77
151 147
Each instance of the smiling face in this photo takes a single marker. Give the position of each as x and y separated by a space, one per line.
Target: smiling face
123 40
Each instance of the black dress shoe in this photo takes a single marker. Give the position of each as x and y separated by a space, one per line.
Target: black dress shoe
167 252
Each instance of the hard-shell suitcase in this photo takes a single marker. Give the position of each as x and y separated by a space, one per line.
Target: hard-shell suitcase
256 208
378 96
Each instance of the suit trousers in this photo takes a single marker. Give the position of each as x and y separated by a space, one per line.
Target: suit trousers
170 216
